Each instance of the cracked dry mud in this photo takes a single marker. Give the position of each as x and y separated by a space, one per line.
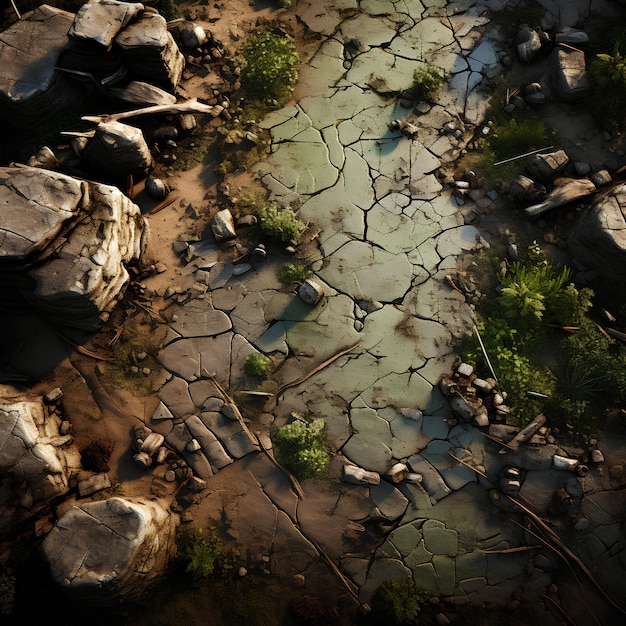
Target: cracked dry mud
387 234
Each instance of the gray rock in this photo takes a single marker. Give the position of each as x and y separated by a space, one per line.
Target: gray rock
100 21
36 457
310 292
110 551
528 44
597 456
93 484
581 168
192 35
359 476
223 226
601 178
597 236
546 166
117 149
571 80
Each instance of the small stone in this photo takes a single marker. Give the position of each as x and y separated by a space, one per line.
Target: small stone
242 572
146 371
310 292
193 446
411 477
482 385
441 619
162 455
52 396
581 168
465 369
65 427
597 456
170 476
247 220
398 472
358 325
299 580
359 476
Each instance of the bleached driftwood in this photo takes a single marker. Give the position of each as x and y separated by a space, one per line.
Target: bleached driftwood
189 106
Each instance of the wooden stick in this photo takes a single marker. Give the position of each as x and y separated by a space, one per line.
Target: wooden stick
519 156
270 406
19 17
190 106
512 550
526 433
554 537
470 466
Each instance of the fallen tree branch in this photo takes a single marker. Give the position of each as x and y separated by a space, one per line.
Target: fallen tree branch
189 106
271 404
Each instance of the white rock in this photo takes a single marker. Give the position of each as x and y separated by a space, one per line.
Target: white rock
359 476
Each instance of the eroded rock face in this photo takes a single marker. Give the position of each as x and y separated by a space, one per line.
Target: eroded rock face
72 239
35 459
112 551
30 86
597 237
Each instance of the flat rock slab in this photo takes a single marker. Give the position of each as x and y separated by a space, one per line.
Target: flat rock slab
102 20
29 51
199 320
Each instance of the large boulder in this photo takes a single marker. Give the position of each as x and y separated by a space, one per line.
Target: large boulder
110 553
30 86
571 80
597 237
36 461
66 243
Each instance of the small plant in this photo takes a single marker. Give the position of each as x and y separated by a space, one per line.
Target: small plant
167 8
281 225
284 4
427 81
301 448
257 364
607 99
270 71
7 592
396 604
203 552
291 273
96 455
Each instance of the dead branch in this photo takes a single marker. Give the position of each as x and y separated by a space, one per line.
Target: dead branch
271 404
189 106
526 433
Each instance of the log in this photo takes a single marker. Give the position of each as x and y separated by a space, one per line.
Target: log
565 191
190 106
525 434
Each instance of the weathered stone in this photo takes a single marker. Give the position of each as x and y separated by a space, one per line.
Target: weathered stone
571 80
566 190
528 43
53 396
192 35
33 456
223 226
398 472
93 484
152 443
110 551
310 292
601 178
546 166
359 476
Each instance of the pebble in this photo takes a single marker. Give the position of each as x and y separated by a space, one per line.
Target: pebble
170 476
597 456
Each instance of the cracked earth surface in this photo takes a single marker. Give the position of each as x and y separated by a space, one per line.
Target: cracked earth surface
387 233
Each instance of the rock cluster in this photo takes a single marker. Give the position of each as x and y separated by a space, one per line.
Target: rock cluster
36 459
110 552
72 239
52 57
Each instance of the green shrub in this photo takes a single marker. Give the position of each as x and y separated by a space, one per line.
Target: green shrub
607 99
167 8
291 273
7 592
281 225
270 71
301 448
257 364
284 4
427 81
203 552
396 604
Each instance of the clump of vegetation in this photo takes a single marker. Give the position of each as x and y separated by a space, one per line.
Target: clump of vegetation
427 81
257 364
301 448
270 72
607 99
511 134
517 330
281 225
396 604
591 378
167 8
96 455
291 273
203 552
7 592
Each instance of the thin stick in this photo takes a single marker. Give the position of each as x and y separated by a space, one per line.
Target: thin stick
300 380
484 350
470 466
19 17
519 156
512 550
498 441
